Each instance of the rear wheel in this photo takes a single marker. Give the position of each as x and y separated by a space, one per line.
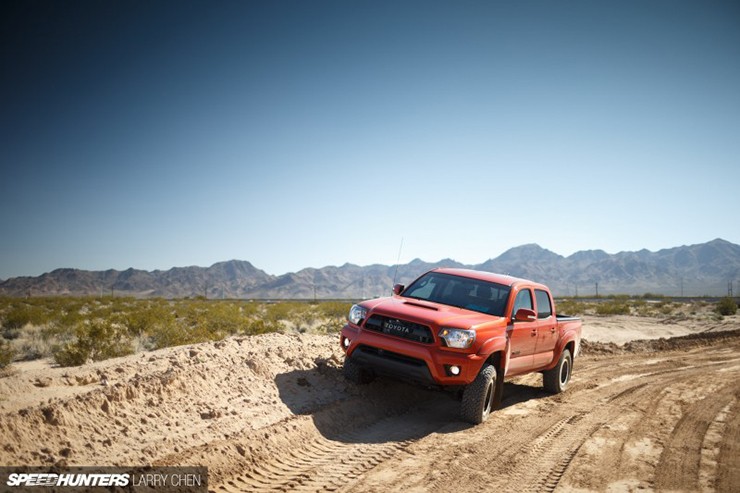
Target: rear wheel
479 396
355 373
556 380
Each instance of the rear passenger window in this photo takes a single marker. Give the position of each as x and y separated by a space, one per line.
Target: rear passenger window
544 308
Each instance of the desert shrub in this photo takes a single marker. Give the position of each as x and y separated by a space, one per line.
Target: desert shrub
70 354
74 330
97 339
170 335
329 327
249 308
666 308
6 354
620 297
21 314
283 310
652 296
144 318
32 344
188 325
726 306
10 334
100 311
334 309
644 309
200 320
28 351
570 307
108 340
69 318
613 307
260 326
224 318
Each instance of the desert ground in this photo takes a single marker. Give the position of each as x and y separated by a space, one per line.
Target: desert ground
654 405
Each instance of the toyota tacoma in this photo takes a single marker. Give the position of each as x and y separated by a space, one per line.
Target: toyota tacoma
462 330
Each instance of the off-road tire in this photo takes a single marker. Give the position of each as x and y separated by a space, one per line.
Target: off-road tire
479 396
556 379
355 373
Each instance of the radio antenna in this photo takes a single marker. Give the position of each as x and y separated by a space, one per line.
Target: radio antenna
398 260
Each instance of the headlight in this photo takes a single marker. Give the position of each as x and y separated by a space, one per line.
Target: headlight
457 338
356 314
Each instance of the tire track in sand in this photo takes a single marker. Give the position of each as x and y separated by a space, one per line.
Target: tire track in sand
398 438
325 458
678 468
579 439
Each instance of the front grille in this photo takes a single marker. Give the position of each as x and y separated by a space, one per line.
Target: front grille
390 355
400 328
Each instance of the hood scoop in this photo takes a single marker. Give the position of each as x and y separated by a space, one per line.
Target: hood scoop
428 307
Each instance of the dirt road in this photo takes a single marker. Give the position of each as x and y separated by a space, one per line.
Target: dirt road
274 413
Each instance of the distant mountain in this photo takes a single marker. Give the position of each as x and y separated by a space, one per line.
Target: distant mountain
701 269
224 279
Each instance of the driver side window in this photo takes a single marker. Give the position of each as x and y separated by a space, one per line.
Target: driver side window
523 300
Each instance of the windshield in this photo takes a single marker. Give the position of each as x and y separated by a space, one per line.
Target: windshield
462 292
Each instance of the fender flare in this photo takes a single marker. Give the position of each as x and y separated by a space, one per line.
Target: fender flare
498 344
562 344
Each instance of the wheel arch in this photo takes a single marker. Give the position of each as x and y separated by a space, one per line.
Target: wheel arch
496 351
571 345
498 359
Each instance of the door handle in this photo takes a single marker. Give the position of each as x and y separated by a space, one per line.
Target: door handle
552 330
534 332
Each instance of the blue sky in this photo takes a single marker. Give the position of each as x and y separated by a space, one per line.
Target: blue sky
297 134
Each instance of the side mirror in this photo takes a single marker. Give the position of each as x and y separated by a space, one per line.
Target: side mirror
398 288
525 315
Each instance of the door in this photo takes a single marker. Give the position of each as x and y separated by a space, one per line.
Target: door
547 329
523 336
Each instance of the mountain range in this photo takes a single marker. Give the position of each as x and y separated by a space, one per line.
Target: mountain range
694 270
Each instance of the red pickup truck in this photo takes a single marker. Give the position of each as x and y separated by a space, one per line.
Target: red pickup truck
462 330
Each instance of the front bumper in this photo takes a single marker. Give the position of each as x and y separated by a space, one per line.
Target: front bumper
426 364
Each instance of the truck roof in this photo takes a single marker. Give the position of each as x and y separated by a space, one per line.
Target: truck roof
488 276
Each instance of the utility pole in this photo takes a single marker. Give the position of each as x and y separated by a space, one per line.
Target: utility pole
597 289
576 290
729 289
682 287
205 290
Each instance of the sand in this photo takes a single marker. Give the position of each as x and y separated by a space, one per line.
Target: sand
273 412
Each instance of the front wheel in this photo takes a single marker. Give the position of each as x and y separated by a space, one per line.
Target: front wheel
556 380
355 373
478 396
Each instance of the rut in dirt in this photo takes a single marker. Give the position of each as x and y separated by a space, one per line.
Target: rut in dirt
657 420
625 423
323 446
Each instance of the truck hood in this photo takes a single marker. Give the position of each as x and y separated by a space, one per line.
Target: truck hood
429 313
